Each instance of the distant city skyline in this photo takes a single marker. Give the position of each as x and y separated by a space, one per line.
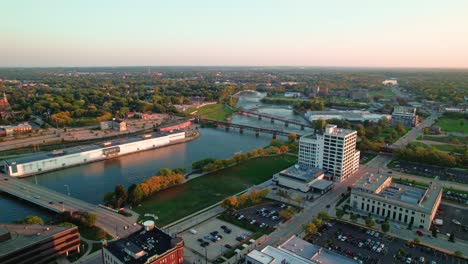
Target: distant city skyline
53 33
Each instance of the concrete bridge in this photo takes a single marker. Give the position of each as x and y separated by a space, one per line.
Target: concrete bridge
113 223
272 118
242 128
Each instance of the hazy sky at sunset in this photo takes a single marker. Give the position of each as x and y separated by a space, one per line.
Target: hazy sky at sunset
390 33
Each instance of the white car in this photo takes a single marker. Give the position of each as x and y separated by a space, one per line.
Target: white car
408 260
456 222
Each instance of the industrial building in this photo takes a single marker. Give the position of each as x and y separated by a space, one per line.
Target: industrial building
354 116
333 151
383 198
149 246
297 251
43 162
405 115
303 179
36 243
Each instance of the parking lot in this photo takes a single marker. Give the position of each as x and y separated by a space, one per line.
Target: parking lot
449 213
263 215
445 174
373 247
213 246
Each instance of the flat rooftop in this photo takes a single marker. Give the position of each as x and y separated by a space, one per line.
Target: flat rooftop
404 193
26 235
302 174
83 148
403 110
370 182
415 197
333 130
322 184
298 251
154 242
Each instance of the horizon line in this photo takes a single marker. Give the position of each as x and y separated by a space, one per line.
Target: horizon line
242 66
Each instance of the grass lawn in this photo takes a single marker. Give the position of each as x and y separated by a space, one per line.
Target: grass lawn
84 121
453 124
218 112
91 232
446 139
387 93
450 148
182 200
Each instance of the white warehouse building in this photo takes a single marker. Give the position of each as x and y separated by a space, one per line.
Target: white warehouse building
43 162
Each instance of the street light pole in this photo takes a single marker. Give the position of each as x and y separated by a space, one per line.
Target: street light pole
68 189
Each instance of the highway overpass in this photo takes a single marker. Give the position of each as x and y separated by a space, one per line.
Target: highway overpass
113 223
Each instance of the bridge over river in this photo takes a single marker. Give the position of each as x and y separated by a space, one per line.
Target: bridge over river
112 222
273 118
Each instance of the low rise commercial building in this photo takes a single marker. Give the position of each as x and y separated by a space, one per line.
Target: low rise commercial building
303 179
15 129
383 198
297 251
36 243
149 246
405 115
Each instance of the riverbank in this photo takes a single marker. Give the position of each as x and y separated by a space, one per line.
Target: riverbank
182 200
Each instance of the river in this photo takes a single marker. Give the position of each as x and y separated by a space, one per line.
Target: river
91 181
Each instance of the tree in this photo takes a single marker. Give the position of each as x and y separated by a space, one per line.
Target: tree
324 216
339 213
88 219
286 214
284 149
120 196
242 199
229 202
100 234
385 227
458 253
319 124
292 137
31 220
370 222
310 229
135 194
416 240
317 221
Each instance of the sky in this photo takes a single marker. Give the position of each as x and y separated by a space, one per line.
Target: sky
349 33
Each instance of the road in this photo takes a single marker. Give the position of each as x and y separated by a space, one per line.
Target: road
415 132
311 209
113 223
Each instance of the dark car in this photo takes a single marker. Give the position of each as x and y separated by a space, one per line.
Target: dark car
51 202
223 227
228 246
328 206
200 240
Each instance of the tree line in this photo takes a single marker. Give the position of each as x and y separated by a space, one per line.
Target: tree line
136 193
424 154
